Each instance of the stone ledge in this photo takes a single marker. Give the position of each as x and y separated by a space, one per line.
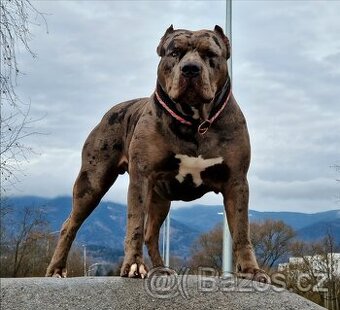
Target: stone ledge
104 293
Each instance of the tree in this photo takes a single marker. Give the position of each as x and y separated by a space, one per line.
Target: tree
16 19
271 241
315 271
27 243
207 249
4 211
21 234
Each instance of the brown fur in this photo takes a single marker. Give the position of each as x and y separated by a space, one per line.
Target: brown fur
140 137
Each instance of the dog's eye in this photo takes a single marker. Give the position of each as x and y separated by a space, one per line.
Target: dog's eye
210 54
175 54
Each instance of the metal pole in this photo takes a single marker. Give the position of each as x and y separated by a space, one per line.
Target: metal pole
85 271
163 240
167 252
227 265
228 30
227 258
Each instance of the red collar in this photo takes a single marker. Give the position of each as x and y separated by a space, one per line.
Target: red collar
205 125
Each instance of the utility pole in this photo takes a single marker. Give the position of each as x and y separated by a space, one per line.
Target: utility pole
163 240
227 257
228 30
85 269
167 241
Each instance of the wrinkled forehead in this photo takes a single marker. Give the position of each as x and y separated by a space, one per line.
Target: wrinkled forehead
201 40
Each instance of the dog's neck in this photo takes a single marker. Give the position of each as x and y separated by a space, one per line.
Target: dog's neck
191 115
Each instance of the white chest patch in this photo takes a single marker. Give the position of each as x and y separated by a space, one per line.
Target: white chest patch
196 113
194 166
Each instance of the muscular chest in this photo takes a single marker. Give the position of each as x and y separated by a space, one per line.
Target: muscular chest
188 177
196 168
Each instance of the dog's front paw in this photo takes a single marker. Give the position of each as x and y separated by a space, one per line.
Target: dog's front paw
56 272
261 276
134 270
255 274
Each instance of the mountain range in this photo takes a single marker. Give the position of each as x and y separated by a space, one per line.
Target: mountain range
104 231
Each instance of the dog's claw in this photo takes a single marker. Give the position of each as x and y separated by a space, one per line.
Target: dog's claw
257 275
136 271
262 277
133 271
142 271
57 273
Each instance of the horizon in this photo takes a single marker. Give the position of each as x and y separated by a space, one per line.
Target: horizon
192 204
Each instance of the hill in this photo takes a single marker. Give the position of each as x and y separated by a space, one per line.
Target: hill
104 230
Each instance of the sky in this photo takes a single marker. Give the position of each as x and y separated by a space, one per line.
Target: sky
286 79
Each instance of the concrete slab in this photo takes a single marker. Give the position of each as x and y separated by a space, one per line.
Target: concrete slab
180 292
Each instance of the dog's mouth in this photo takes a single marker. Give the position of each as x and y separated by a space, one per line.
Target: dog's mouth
192 104
193 92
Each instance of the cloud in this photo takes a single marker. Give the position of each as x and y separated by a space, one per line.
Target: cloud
286 60
286 77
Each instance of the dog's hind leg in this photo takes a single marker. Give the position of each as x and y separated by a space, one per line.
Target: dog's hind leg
157 211
99 170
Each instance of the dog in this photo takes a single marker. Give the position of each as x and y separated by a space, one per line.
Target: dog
189 138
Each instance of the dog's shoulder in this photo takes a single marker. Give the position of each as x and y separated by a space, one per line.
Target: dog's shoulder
119 122
125 109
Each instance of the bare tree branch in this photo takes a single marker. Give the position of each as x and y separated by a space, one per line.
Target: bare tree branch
271 241
16 20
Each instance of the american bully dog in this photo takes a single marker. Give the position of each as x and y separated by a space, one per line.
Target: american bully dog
189 138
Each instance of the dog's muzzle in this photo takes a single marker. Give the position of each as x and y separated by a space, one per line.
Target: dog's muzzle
191 69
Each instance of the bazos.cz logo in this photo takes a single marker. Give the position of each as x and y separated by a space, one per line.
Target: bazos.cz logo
166 283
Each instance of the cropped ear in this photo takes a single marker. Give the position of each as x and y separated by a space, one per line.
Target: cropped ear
221 34
160 49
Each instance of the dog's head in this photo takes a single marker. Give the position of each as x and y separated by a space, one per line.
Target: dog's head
193 66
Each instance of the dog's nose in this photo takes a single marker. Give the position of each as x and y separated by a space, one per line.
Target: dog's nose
191 69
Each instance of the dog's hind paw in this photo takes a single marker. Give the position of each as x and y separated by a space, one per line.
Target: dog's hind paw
257 275
56 272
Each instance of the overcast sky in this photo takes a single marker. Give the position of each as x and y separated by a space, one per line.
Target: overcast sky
286 76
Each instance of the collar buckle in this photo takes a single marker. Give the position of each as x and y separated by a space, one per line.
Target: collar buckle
203 127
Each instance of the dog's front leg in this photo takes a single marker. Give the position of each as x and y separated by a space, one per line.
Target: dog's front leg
236 197
133 265
158 209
